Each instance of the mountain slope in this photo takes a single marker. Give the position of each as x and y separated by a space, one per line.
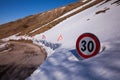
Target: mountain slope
26 25
39 23
87 21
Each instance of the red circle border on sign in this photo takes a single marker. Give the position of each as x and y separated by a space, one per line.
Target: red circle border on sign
97 42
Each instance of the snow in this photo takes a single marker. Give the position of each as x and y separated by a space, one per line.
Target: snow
84 0
15 37
3 45
64 15
11 37
104 66
76 25
64 62
74 10
41 27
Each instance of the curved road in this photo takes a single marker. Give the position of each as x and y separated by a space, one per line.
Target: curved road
18 60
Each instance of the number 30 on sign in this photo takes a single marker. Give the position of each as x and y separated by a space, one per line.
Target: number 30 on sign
88 45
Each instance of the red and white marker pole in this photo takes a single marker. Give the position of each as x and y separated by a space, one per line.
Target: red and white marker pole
87 45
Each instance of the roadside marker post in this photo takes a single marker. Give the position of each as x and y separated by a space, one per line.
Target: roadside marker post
43 37
87 45
60 38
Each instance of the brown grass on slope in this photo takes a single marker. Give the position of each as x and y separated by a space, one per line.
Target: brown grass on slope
52 24
32 22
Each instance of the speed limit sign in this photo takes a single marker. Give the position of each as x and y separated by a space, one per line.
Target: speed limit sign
87 45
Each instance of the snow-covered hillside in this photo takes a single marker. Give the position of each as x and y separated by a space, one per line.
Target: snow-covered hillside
104 25
101 20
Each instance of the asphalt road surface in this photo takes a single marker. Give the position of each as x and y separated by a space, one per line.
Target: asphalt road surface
18 60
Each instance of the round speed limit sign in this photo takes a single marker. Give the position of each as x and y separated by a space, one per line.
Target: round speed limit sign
87 45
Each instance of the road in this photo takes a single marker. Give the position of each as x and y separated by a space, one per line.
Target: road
18 60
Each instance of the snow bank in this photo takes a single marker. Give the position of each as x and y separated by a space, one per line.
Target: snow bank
63 65
60 66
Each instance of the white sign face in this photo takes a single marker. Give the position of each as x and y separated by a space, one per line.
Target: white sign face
87 45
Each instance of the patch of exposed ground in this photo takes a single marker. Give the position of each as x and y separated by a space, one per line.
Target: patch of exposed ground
18 60
102 11
116 2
